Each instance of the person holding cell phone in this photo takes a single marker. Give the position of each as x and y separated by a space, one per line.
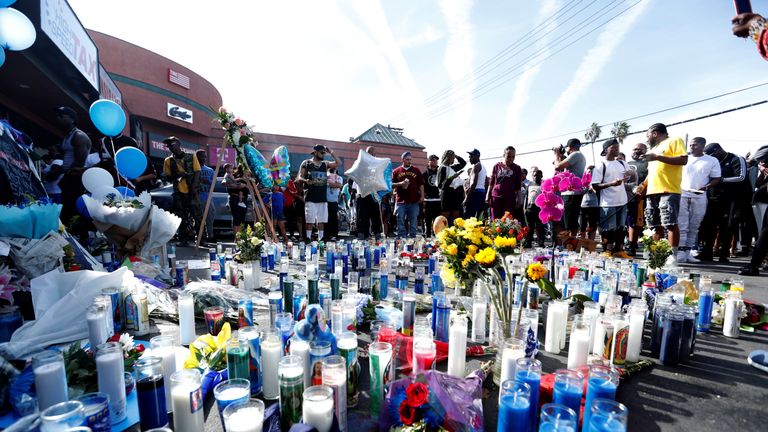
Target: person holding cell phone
504 187
451 185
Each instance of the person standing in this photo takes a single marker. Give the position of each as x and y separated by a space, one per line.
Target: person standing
636 204
665 175
368 210
504 187
701 173
474 199
450 184
74 149
183 170
432 207
207 177
335 183
523 197
590 211
50 173
408 185
574 162
725 203
607 181
760 197
313 176
532 212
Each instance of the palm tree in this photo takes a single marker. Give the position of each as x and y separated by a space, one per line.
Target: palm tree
593 133
620 131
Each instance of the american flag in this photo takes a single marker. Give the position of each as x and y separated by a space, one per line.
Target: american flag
178 78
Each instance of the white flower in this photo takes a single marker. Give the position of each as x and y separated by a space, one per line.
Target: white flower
126 341
649 233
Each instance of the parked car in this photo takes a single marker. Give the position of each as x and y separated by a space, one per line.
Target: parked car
222 219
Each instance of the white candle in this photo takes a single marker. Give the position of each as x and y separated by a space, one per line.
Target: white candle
635 342
97 328
336 378
598 341
457 347
590 317
108 317
552 343
271 347
732 315
186 318
479 312
492 327
164 348
50 378
578 351
111 378
317 409
301 348
187 402
242 420
509 355
563 311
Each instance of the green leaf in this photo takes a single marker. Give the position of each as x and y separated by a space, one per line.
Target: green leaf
548 287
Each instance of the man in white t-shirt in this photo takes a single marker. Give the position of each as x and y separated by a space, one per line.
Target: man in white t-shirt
699 174
608 180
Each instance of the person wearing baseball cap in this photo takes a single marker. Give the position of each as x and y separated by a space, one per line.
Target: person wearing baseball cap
313 175
608 182
474 199
431 194
408 186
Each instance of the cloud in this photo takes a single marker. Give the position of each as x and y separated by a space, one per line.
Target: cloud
592 64
427 35
459 56
523 87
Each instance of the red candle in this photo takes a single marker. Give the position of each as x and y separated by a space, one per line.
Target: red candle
388 334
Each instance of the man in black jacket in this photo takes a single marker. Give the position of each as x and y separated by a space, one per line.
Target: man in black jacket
432 194
724 209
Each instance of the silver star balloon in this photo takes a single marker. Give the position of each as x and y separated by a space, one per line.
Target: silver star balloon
368 173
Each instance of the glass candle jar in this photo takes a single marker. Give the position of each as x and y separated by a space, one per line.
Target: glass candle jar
111 378
231 391
317 407
164 347
50 378
187 400
96 409
61 416
514 406
246 416
335 377
150 392
291 377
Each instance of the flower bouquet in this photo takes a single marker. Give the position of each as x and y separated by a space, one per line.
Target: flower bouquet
468 249
435 401
658 250
208 354
249 242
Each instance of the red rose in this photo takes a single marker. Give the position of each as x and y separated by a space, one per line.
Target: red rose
417 394
407 413
115 338
139 348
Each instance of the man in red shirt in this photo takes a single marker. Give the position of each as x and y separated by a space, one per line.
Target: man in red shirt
408 185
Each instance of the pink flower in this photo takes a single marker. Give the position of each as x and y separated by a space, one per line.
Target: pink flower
550 214
571 183
586 179
226 125
547 185
239 122
548 200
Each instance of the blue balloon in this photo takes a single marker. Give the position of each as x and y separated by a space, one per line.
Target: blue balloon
388 179
108 117
130 162
124 191
81 207
2 56
6 3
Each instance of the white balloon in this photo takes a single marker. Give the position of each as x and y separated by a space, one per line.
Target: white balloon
101 193
16 30
368 173
95 178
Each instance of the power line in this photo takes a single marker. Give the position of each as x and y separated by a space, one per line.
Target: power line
447 107
454 88
754 104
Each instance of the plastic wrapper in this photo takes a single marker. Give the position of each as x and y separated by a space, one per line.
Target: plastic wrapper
206 294
163 226
125 217
453 403
31 222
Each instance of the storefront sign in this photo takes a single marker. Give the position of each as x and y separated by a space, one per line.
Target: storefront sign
230 155
158 149
59 22
179 113
108 87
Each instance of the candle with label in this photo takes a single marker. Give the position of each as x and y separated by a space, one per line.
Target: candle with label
335 377
111 378
347 345
238 359
380 358
291 377
187 400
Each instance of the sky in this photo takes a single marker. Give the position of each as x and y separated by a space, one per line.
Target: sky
461 74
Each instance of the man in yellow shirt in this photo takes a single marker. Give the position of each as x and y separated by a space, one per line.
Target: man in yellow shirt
183 170
666 158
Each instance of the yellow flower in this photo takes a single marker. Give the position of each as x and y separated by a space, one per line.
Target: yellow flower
472 223
487 240
505 242
474 236
451 249
536 271
447 275
467 260
459 222
254 241
204 348
486 257
472 250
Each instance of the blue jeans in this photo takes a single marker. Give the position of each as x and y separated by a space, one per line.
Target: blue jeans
409 212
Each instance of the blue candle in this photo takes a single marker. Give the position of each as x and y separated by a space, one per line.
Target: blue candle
657 329
271 259
384 286
418 286
437 283
705 311
431 264
442 317
231 391
529 372
688 334
601 384
607 416
514 413
329 260
568 394
669 353
150 392
557 418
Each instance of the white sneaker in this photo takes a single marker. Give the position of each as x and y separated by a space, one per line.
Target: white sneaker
690 258
242 204
671 261
682 256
